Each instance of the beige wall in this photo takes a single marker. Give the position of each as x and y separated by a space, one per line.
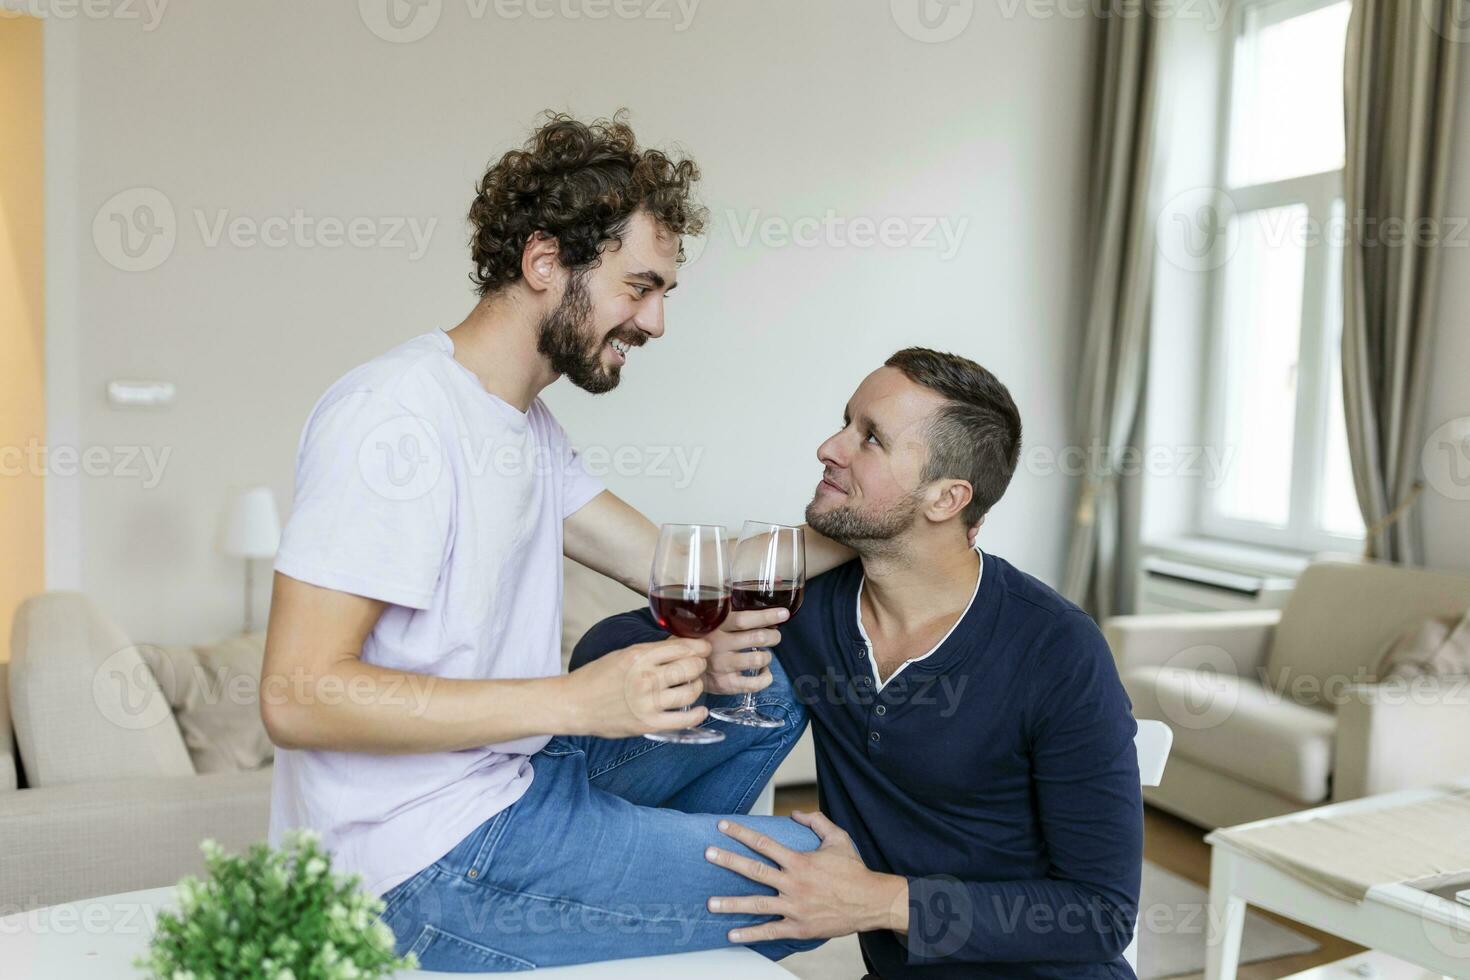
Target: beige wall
22 316
253 111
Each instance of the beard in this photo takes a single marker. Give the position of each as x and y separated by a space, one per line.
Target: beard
863 532
568 340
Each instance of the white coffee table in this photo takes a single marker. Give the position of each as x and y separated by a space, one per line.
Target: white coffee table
1404 922
97 939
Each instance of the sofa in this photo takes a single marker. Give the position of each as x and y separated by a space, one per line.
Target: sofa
110 800
1278 711
107 783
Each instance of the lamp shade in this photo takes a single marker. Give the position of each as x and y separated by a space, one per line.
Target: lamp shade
251 528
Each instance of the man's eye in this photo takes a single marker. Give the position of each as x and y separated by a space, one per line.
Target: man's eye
873 438
640 291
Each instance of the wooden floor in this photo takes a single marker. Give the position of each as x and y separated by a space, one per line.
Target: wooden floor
1179 847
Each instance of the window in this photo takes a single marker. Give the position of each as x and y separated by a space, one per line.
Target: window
1274 392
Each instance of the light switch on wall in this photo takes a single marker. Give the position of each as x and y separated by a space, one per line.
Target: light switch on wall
140 392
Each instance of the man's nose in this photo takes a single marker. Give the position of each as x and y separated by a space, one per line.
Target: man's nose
650 318
830 453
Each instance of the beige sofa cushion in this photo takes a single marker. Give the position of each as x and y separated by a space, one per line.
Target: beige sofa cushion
1340 618
1237 727
1438 647
8 777
85 705
65 843
214 691
589 597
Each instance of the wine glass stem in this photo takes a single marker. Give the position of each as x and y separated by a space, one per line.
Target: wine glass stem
748 704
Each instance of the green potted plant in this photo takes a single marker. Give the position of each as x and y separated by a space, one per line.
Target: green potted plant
278 914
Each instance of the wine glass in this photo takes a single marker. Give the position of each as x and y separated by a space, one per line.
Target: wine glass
769 571
689 594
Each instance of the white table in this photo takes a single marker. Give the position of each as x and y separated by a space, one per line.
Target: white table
97 939
1405 922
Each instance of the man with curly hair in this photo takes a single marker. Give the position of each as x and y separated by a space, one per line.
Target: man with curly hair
510 815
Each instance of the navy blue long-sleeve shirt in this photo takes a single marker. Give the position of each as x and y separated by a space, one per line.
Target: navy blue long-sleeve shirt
998 775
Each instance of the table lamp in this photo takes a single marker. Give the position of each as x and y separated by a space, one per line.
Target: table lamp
250 529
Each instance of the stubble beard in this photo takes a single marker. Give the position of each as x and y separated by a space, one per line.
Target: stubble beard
870 535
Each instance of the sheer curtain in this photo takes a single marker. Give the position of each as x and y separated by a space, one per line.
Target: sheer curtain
1111 376
1399 104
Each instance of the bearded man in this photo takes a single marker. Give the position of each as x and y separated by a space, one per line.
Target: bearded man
509 815
981 814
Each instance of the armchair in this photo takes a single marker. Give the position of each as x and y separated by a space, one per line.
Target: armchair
1276 711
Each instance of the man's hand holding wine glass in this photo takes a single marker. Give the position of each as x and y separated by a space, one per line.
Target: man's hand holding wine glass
648 687
742 643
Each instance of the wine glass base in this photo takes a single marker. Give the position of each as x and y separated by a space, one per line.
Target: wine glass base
747 716
688 736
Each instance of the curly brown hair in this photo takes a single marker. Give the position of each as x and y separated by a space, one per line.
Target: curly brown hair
579 183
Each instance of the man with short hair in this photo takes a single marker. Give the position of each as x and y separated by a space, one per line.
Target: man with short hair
511 816
981 814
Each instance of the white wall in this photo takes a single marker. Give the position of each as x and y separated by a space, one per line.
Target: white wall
260 109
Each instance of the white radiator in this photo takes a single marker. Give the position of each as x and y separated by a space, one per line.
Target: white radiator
1166 585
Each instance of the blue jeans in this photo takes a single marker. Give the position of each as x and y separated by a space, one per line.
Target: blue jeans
603 857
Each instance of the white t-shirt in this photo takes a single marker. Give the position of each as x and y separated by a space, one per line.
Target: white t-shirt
416 486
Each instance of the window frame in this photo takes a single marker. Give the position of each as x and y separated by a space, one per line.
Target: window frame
1321 194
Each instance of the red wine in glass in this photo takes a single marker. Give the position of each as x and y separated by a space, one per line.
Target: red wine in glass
769 572
686 612
689 595
764 595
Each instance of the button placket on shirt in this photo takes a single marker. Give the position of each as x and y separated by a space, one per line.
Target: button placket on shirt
875 719
865 682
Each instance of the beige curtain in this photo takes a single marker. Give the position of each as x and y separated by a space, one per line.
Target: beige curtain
1111 375
1399 92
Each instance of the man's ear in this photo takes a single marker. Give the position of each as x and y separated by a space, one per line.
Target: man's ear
954 496
541 266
